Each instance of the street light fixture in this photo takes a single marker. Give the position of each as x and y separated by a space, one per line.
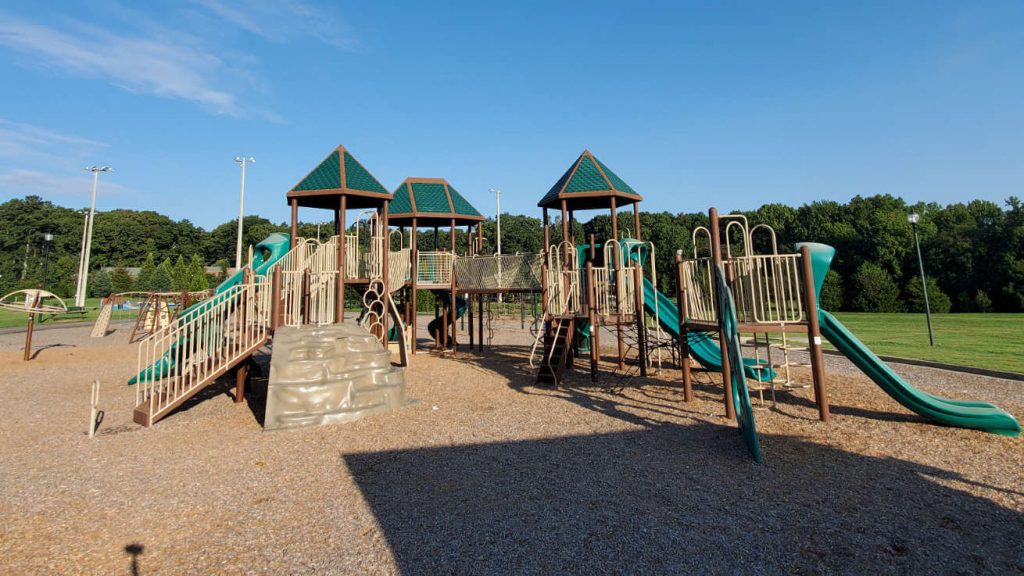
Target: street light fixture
497 200
241 209
48 238
914 218
83 276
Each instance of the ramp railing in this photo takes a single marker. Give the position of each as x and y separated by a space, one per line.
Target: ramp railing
176 362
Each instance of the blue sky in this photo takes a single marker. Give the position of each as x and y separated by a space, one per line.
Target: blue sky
693 103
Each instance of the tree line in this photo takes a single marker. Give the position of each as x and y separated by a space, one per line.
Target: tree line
973 252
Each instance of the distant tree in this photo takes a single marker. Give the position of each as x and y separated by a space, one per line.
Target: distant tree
832 292
196 274
62 276
101 284
875 290
121 280
982 303
162 277
144 282
938 301
179 275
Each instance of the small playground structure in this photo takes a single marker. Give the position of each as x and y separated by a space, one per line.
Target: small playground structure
32 301
736 282
156 310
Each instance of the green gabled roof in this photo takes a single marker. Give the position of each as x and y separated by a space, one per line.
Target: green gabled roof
588 183
339 174
432 201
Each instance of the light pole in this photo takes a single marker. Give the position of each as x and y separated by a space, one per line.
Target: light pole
914 218
48 238
83 278
497 200
241 209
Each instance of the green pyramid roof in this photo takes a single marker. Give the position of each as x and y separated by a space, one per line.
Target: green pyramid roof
588 184
432 202
339 174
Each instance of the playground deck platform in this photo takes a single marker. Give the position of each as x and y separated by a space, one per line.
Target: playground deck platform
484 472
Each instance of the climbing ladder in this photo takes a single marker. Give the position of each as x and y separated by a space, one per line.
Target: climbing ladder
557 351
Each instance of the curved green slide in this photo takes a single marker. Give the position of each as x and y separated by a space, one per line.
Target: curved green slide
964 414
740 394
275 247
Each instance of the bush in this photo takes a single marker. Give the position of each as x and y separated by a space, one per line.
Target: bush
121 280
832 292
938 301
982 303
101 284
875 290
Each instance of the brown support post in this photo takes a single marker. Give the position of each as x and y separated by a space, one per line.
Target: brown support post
814 334
31 327
684 336
414 257
471 328
295 223
276 309
480 319
716 257
595 335
452 274
592 313
339 285
241 373
547 235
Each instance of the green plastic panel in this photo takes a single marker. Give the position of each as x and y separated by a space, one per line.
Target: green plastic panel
461 205
430 198
617 182
401 203
586 179
326 176
357 178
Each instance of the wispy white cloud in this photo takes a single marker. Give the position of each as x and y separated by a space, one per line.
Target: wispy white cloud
22 182
180 68
22 142
283 20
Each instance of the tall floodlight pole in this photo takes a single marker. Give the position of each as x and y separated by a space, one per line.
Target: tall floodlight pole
497 200
81 251
84 278
241 209
914 219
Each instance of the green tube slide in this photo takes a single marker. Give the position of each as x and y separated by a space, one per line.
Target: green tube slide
461 306
265 255
964 414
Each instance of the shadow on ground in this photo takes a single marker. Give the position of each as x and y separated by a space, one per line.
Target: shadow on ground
678 498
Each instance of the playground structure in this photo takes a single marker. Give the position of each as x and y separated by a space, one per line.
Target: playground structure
156 310
726 289
32 302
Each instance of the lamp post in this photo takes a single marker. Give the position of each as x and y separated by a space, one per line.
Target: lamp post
241 209
497 201
48 238
914 218
83 278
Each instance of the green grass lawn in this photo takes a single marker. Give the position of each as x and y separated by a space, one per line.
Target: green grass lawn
993 341
12 319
